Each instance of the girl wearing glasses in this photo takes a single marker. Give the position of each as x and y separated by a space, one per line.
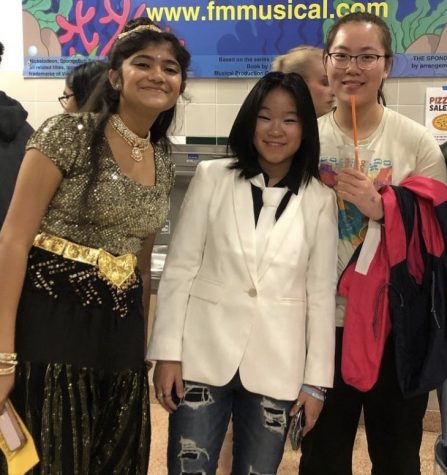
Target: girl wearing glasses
358 58
80 83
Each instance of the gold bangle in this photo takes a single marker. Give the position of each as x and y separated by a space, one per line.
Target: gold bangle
7 371
8 356
8 362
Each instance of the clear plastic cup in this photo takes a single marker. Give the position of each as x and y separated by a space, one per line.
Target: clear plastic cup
346 158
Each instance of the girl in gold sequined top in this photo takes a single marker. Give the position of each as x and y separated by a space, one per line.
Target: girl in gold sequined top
75 262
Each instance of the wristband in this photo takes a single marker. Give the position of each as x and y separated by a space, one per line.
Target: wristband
320 388
315 393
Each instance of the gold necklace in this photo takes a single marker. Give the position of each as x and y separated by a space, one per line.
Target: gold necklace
139 145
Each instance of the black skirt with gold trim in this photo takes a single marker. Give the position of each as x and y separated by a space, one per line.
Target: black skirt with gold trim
81 383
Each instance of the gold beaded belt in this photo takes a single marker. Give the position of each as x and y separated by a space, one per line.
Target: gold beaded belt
119 271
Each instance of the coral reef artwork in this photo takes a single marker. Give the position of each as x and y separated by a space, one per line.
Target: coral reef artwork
80 27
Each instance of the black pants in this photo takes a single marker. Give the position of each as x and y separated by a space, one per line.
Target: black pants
393 425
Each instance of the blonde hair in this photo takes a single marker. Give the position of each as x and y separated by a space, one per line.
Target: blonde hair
297 60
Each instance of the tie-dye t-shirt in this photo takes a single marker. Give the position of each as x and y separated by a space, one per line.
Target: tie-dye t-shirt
401 148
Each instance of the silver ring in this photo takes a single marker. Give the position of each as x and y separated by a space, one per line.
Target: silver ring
160 396
298 403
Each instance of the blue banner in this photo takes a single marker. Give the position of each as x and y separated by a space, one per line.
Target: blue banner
227 38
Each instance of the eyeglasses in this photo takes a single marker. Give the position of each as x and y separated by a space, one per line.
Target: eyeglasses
364 61
64 99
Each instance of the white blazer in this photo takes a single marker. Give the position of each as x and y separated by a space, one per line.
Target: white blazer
218 311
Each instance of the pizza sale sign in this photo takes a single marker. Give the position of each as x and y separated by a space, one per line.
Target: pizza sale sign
436 112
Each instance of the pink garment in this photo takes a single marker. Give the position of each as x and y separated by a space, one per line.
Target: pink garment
367 318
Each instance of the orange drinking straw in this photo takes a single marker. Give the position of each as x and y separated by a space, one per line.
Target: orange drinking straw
355 134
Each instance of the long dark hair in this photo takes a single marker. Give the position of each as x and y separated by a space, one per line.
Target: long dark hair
363 17
240 140
104 100
83 78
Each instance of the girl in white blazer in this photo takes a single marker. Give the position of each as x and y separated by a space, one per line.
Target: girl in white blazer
245 311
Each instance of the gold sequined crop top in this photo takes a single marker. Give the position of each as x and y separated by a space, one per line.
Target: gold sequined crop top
120 213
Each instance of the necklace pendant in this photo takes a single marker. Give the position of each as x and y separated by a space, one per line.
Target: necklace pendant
136 154
138 145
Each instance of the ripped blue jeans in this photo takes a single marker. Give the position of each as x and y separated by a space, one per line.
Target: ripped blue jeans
197 430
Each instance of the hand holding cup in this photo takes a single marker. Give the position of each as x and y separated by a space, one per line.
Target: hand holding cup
347 158
352 183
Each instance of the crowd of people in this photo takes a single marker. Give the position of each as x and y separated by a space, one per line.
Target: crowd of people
255 293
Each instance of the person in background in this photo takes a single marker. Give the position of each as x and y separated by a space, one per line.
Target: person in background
308 62
75 253
14 133
80 83
358 59
248 289
444 150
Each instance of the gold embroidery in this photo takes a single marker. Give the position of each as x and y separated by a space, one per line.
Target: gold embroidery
120 212
119 271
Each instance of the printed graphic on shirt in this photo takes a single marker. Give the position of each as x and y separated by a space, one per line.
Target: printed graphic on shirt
352 224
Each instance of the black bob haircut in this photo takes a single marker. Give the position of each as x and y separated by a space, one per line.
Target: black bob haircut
240 140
